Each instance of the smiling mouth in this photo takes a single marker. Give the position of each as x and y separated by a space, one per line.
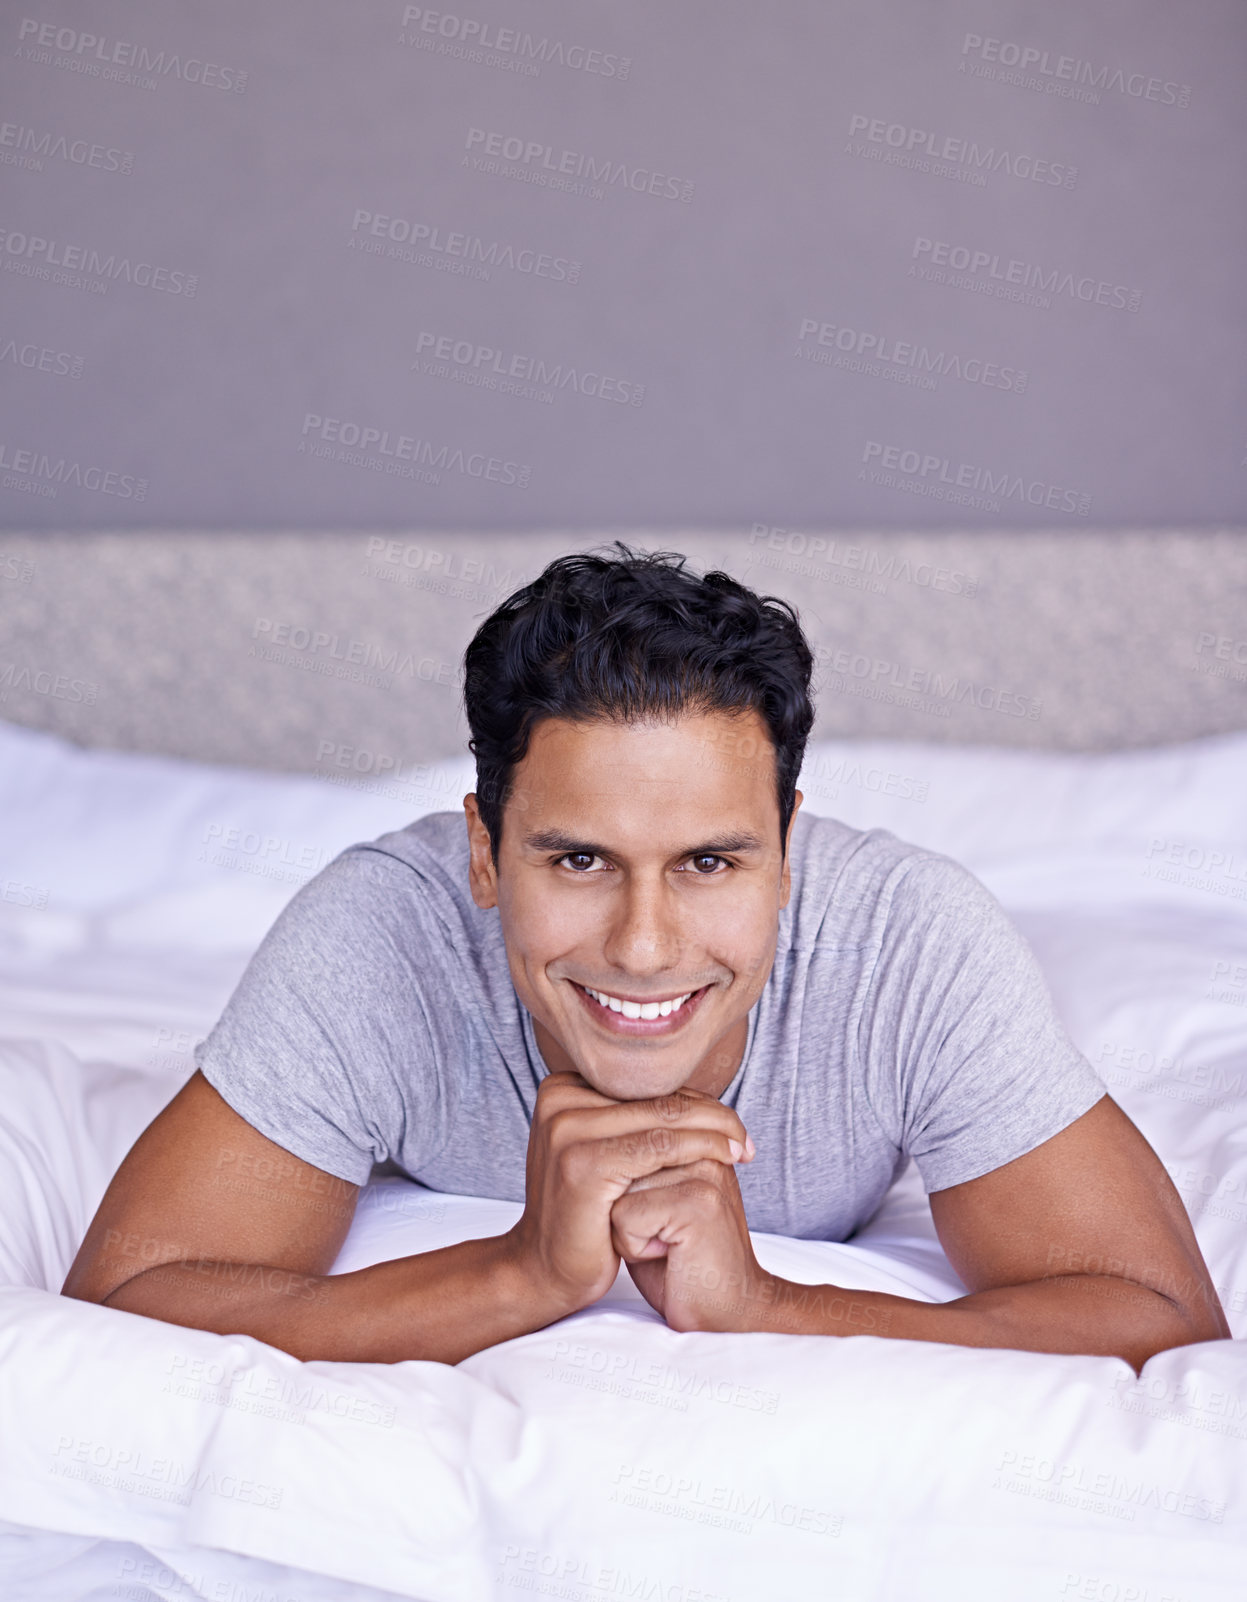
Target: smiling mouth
647 1011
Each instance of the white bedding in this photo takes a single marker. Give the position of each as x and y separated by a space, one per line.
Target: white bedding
606 1456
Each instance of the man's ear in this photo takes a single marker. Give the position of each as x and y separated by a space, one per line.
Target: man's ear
785 878
482 874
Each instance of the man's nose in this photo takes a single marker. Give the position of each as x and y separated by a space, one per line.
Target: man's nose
645 935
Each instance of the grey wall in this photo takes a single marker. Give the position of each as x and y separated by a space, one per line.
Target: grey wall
752 312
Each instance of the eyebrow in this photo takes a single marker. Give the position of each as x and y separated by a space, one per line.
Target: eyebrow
742 842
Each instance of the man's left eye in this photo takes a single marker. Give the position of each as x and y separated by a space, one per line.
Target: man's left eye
707 857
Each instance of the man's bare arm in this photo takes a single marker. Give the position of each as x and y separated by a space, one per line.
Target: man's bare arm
1082 1246
209 1224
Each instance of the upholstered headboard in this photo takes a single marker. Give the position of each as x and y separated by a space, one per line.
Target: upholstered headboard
328 652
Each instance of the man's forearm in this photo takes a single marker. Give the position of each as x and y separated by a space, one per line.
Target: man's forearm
442 1305
1097 1315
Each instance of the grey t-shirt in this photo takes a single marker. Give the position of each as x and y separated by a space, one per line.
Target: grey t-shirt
904 1015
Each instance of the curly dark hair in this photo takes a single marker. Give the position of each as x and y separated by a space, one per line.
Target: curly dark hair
627 638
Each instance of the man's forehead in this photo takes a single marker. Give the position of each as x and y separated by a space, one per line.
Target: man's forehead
682 750
621 777
640 788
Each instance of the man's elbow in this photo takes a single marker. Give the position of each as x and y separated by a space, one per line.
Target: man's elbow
1185 1322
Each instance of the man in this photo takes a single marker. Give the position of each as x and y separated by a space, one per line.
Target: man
647 999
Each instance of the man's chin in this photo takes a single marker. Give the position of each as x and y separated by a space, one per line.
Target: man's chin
620 1087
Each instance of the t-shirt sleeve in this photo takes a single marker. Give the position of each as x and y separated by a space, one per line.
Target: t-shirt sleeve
968 1065
328 1014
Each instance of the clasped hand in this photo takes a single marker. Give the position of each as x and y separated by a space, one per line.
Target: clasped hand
650 1182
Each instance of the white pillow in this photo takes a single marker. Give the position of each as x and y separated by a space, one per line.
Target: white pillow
134 850
1055 828
131 849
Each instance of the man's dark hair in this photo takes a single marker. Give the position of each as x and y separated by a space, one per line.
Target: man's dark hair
631 638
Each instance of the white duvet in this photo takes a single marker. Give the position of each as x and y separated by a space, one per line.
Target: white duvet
608 1457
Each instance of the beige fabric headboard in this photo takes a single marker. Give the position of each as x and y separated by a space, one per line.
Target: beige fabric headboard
287 650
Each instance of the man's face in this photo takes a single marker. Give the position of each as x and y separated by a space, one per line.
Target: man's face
641 862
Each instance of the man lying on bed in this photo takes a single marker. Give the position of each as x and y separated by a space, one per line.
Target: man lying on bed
645 997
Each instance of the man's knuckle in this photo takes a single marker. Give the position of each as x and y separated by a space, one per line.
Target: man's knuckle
672 1107
556 1125
574 1161
661 1142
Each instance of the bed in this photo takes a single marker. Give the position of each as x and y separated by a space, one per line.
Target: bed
607 1456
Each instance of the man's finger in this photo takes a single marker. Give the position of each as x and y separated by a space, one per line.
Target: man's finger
701 1168
664 1213
566 1089
612 1165
583 1119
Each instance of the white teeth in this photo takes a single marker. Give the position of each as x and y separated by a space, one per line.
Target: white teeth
639 1009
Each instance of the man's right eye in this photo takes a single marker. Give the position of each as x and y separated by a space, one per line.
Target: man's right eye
577 856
